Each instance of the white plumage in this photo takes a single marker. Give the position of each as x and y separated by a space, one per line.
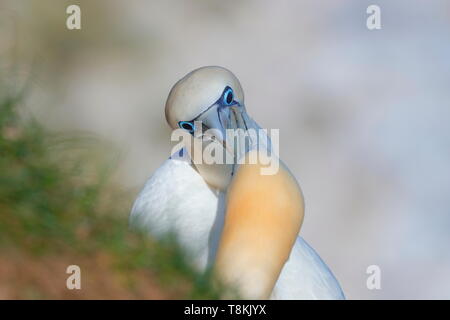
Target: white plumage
230 216
177 199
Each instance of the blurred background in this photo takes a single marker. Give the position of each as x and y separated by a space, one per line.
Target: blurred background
363 115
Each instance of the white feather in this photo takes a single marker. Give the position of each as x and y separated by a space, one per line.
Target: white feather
177 199
306 276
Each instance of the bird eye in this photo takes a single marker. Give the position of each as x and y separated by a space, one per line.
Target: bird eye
187 125
228 97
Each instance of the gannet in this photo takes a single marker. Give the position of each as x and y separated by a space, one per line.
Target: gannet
228 216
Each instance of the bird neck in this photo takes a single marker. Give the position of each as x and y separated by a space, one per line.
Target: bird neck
263 217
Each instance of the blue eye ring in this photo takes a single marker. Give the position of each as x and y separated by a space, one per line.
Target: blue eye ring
187 125
228 97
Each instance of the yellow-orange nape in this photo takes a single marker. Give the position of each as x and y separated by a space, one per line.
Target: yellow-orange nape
264 214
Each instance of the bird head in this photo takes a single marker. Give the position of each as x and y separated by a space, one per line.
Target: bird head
206 103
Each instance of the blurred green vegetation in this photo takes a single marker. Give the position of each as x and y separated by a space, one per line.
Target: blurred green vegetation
56 202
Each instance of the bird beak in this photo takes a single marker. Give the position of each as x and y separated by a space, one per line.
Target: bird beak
229 126
209 151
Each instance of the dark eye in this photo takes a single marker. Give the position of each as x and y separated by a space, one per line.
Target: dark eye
187 125
228 97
